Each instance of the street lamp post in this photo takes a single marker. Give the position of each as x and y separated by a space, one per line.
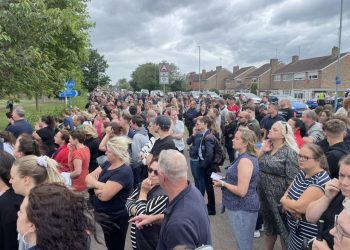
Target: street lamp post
337 78
199 67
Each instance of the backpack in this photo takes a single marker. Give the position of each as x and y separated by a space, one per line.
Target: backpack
219 154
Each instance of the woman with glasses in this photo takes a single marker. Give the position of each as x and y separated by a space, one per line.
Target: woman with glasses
278 165
112 184
148 198
331 203
340 231
308 186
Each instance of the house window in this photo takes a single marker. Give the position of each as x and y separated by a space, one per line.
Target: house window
299 76
286 92
313 75
254 80
299 96
277 78
239 81
287 77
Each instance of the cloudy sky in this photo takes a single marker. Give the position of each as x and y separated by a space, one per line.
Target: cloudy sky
229 32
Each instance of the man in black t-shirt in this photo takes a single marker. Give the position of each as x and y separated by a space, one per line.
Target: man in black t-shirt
162 127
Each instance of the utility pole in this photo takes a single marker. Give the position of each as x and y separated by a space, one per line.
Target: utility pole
199 67
337 78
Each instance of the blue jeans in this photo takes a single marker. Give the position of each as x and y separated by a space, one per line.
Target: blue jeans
198 176
243 227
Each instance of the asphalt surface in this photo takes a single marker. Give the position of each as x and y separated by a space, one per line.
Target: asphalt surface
222 235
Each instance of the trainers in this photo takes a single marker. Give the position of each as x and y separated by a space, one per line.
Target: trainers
257 234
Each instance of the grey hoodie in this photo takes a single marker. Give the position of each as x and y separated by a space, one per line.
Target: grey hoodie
138 141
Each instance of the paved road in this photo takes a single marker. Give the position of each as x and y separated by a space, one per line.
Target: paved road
222 235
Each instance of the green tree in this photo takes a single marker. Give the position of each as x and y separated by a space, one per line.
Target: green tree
94 71
42 44
124 84
146 76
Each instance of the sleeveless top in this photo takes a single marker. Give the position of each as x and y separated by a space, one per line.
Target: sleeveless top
250 202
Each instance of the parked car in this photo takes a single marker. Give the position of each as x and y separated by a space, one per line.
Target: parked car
312 103
157 93
212 94
145 91
297 105
247 96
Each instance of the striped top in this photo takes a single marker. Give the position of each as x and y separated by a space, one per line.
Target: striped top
305 229
154 205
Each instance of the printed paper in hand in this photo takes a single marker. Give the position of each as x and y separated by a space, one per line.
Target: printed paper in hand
216 176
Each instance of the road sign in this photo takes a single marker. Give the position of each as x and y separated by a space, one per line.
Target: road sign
163 73
164 80
70 84
68 93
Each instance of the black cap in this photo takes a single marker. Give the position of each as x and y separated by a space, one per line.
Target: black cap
163 122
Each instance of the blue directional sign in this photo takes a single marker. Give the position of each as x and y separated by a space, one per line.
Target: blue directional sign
337 80
70 84
68 93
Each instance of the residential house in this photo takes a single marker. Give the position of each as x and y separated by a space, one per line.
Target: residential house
235 81
304 78
261 77
214 79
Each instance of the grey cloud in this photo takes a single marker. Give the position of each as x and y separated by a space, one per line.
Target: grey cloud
130 33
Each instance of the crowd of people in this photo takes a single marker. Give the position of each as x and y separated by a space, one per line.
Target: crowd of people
121 162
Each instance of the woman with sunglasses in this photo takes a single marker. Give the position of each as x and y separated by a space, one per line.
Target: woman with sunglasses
308 186
112 183
148 198
278 165
331 203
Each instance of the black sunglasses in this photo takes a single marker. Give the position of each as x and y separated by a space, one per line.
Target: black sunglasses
150 170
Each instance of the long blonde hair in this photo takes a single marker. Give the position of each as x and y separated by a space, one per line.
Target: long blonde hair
287 133
28 166
248 137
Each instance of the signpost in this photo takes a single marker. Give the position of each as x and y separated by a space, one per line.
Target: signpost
164 74
69 92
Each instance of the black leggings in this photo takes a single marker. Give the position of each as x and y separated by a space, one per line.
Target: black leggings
114 230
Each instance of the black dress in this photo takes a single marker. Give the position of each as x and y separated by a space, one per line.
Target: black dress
9 206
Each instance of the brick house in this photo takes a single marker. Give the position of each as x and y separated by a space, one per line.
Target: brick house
304 78
214 79
261 77
235 80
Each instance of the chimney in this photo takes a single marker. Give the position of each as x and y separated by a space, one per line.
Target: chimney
273 65
295 59
235 68
335 51
218 68
204 74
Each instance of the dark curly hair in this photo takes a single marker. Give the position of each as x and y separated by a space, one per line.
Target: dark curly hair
61 218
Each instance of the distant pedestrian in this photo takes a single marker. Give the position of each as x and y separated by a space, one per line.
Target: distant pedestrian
20 125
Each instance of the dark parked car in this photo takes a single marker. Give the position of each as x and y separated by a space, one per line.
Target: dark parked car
312 103
297 105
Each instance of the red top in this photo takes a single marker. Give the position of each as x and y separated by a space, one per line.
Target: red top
298 138
234 109
82 154
61 156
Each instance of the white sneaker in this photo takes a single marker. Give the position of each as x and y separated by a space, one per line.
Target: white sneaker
257 234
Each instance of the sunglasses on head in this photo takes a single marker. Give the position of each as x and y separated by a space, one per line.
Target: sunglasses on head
155 171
